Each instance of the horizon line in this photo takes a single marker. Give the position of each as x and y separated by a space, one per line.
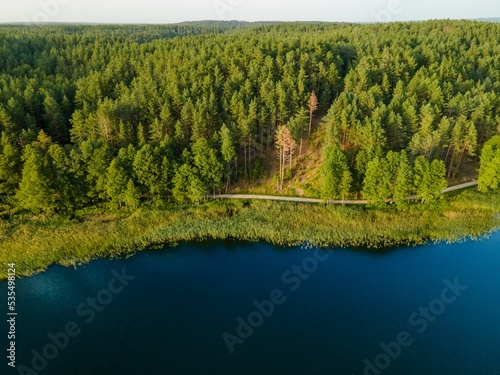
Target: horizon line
483 19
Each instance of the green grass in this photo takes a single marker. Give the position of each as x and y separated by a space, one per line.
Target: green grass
36 242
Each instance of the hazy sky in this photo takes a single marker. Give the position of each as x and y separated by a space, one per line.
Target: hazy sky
168 11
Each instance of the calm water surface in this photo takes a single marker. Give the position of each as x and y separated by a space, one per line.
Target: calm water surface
331 316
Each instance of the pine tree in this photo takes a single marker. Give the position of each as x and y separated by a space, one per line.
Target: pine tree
117 179
335 174
54 119
63 181
285 147
463 142
489 173
313 107
35 191
152 171
188 187
427 139
131 196
207 163
10 165
345 185
377 183
298 127
403 187
422 179
429 179
228 152
97 157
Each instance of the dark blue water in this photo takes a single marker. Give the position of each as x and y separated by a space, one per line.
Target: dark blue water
330 316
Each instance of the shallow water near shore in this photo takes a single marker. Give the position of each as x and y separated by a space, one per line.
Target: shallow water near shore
251 308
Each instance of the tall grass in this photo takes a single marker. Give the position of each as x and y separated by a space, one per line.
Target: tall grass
36 242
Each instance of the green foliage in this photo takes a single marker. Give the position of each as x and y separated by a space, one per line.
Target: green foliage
65 184
131 197
35 190
148 94
489 174
403 186
188 187
345 184
227 145
152 171
377 183
298 125
429 179
207 164
335 174
117 179
10 165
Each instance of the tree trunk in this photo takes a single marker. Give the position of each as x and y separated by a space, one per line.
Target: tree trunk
228 182
283 173
280 174
459 162
245 157
447 155
310 122
249 152
450 169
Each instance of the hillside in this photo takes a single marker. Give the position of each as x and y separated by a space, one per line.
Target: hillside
139 115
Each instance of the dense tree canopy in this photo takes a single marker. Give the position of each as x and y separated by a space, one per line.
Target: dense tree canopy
125 114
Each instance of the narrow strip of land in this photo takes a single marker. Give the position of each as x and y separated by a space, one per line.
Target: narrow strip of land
312 200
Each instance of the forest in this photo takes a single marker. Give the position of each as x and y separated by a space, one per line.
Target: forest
152 116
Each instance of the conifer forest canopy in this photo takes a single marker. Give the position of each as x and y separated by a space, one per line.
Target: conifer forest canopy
124 115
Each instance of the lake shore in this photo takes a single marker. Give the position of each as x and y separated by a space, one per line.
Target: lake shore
35 242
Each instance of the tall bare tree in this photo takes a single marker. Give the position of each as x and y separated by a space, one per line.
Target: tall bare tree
285 147
313 107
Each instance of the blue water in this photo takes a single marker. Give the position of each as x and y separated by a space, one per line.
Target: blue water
171 318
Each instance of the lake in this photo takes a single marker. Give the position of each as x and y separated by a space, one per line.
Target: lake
244 308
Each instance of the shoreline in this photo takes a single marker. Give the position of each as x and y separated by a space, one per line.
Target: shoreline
36 242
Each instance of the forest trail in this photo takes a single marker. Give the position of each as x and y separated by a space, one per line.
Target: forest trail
312 200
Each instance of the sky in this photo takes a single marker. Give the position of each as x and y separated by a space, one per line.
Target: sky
171 11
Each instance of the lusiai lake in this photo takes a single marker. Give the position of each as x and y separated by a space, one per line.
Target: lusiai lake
220 308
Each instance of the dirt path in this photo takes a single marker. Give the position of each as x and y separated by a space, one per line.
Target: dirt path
311 200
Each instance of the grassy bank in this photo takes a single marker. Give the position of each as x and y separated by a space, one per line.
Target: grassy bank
36 242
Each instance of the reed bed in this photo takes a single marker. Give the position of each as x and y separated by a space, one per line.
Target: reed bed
36 242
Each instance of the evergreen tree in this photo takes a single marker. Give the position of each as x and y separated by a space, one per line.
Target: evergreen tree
152 171
313 107
377 183
10 165
207 163
345 185
335 174
228 152
429 179
35 191
63 181
117 178
131 196
188 187
298 127
489 173
403 187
